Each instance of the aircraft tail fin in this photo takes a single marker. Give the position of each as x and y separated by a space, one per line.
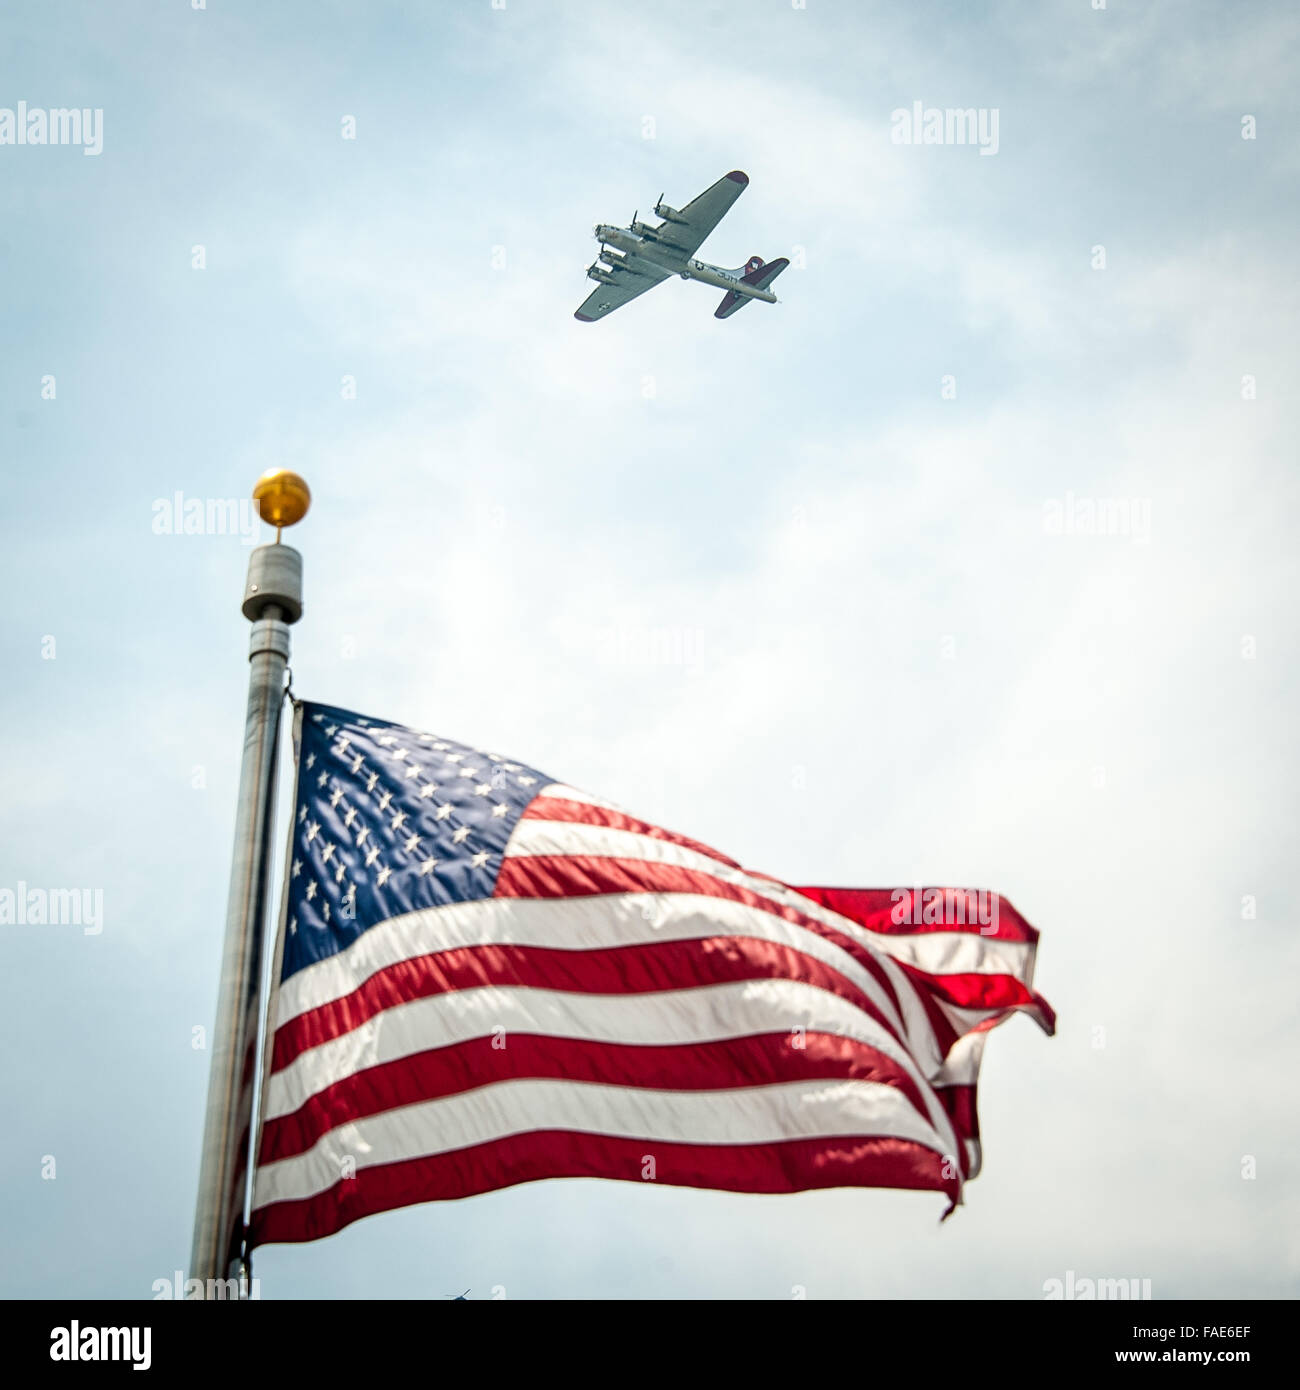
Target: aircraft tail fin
759 274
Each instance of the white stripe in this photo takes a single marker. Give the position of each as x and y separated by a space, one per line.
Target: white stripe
559 791
711 1013
962 1065
754 1115
964 1021
935 953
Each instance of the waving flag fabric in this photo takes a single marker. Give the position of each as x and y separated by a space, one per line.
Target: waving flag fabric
489 977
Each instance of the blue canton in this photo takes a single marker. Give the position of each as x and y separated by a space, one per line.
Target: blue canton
388 820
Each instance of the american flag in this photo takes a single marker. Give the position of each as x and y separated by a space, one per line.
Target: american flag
489 977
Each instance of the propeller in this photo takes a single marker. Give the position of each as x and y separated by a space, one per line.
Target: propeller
658 204
635 215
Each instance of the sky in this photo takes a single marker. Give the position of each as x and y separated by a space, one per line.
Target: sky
971 561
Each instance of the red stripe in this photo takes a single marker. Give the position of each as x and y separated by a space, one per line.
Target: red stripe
876 909
583 813
795 1165
978 991
959 1102
645 968
760 1060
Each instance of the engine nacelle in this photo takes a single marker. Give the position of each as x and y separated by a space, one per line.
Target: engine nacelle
668 214
644 229
596 271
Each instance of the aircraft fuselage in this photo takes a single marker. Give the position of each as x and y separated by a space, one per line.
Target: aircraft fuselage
654 246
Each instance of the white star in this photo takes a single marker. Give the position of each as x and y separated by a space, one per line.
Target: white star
363 834
323 778
525 781
311 890
356 763
311 760
428 866
453 757
399 754
302 813
349 816
412 771
325 910
312 831
297 868
399 820
442 813
442 747
384 875
331 730
293 926
412 843
461 835
484 789
336 796
371 855
478 860
386 740
469 772
326 852
384 800
340 871
511 767
371 780
428 790
500 811
426 738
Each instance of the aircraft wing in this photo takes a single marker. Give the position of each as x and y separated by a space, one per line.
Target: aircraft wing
702 214
604 299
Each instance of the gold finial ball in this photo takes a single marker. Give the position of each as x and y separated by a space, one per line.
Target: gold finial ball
284 497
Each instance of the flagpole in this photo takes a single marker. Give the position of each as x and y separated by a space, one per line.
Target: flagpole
272 603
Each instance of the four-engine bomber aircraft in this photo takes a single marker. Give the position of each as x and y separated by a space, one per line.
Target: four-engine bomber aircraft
637 258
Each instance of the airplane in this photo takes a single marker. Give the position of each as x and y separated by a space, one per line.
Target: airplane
639 257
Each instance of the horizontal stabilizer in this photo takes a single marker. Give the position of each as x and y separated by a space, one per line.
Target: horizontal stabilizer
763 275
759 275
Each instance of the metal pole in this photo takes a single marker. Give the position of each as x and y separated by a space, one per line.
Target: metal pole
272 601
